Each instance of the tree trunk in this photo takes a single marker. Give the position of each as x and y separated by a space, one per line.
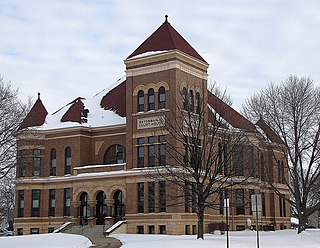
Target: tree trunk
302 224
200 223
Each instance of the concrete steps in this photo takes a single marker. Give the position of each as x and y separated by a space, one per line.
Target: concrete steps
96 234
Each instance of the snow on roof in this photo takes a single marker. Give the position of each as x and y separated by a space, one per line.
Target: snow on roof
96 117
149 53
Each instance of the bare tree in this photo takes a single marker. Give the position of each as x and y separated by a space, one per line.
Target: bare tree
200 147
7 193
12 112
292 108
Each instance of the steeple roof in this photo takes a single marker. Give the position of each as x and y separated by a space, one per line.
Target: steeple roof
36 116
166 38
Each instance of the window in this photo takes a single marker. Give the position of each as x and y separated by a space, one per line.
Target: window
151 151
22 160
20 231
53 162
150 197
197 103
250 159
35 210
115 155
282 207
162 229
186 197
140 106
151 99
67 161
262 171
151 230
238 160
194 229
52 202
194 197
225 159
220 158
50 229
34 230
191 101
66 201
239 201
162 98
162 196
140 152
187 230
263 203
140 198
36 162
140 229
185 154
185 98
281 178
20 203
162 150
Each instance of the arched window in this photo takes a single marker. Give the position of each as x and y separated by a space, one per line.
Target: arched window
115 155
67 161
198 103
191 101
151 99
162 98
53 162
140 106
185 98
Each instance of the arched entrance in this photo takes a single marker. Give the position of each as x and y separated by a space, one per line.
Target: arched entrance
84 208
118 207
101 208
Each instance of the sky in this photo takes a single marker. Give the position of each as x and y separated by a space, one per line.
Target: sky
70 48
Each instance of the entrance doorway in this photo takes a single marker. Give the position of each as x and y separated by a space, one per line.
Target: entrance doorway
101 208
118 208
84 209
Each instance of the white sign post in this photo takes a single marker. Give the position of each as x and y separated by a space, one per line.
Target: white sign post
226 213
256 207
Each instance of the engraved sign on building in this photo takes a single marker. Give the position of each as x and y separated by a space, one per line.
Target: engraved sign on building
151 122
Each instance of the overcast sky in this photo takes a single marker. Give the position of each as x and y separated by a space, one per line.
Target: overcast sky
65 49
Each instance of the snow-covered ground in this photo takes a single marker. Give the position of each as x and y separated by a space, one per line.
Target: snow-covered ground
244 239
52 240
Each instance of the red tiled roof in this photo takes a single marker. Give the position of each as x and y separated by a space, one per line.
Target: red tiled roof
75 112
166 38
269 132
229 114
36 116
115 100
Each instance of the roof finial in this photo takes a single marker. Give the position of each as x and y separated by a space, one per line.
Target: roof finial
38 95
166 20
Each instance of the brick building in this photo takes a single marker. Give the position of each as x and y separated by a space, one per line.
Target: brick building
84 163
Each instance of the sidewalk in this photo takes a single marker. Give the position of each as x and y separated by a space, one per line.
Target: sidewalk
105 242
